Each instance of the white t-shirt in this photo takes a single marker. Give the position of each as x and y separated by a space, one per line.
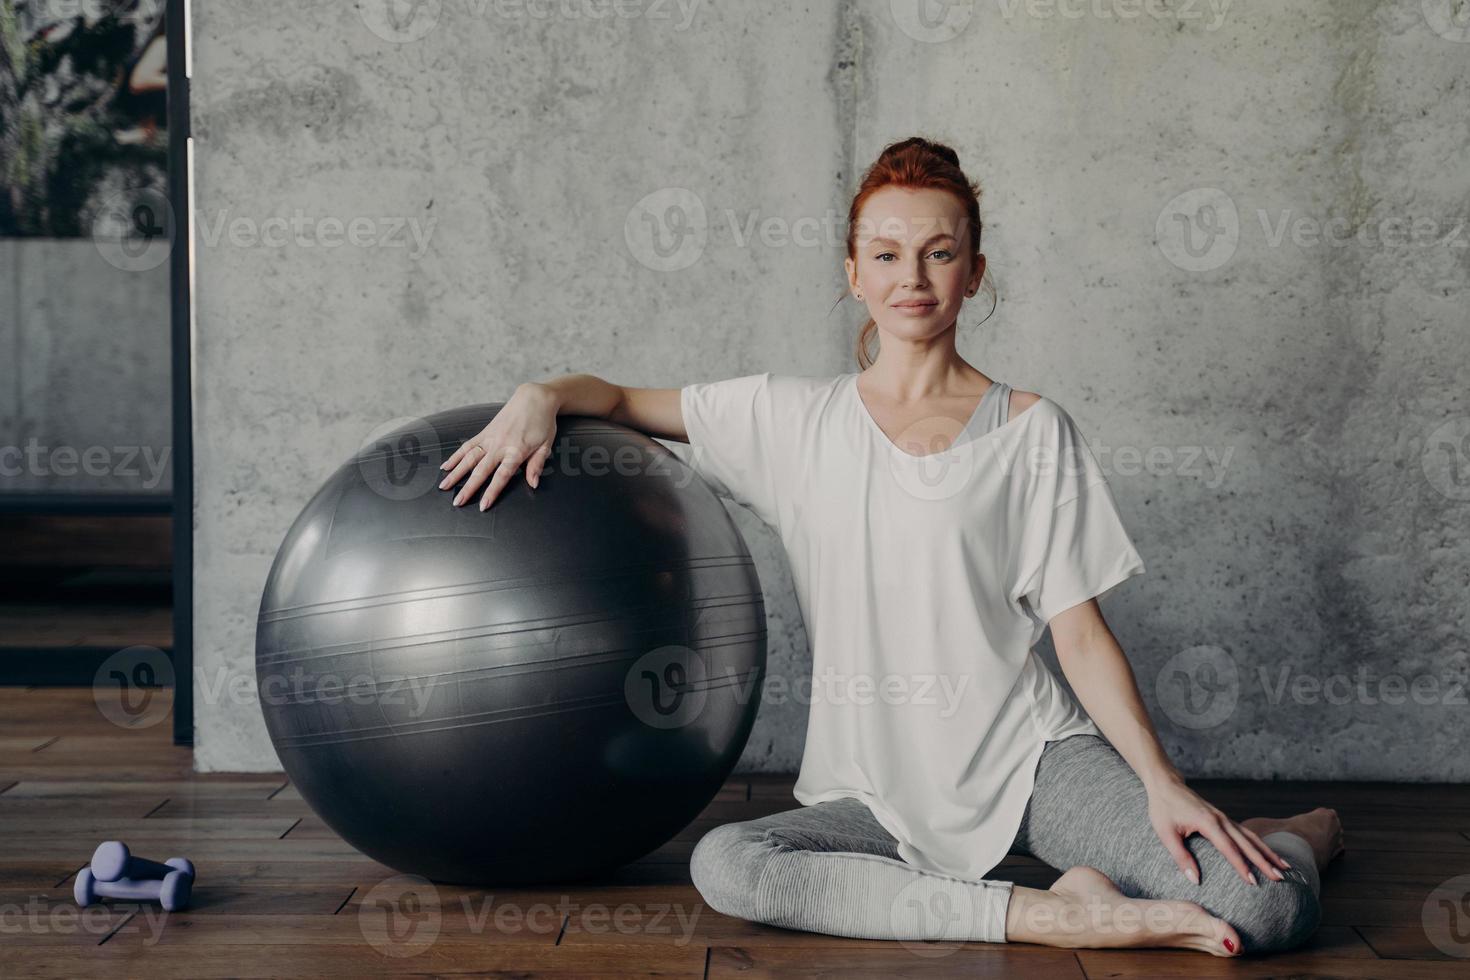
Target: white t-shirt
924 582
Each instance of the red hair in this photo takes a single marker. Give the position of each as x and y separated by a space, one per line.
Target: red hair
919 164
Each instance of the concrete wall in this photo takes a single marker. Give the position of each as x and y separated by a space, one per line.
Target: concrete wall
1282 419
84 370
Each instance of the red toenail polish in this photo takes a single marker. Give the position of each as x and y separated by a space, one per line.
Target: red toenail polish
1229 945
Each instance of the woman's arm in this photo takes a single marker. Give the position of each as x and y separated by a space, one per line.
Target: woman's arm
1101 676
655 411
523 430
1103 680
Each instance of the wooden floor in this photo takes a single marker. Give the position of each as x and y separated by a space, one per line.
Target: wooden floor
76 588
279 895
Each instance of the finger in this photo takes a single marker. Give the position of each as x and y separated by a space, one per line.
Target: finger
1265 848
472 454
503 474
1225 844
1253 851
476 478
1180 854
459 454
536 464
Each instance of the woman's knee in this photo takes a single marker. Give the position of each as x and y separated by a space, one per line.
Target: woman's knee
726 868
1275 915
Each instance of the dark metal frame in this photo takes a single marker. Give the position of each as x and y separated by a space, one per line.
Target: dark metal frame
180 256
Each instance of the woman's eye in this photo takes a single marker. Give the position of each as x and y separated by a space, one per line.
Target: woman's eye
883 255
940 251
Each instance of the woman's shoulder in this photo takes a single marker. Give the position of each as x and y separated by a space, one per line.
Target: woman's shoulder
1021 401
806 385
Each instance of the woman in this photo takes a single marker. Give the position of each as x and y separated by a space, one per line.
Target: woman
937 522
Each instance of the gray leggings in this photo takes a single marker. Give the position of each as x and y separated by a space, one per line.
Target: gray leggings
832 868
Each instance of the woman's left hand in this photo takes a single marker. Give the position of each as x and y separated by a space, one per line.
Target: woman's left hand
1177 811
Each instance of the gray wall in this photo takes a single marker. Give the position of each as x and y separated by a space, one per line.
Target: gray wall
84 369
1281 419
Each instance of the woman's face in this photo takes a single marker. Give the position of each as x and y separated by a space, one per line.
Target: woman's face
912 269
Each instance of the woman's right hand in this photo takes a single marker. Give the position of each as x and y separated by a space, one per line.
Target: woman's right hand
522 431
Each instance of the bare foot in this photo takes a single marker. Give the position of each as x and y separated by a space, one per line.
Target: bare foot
1085 910
1319 827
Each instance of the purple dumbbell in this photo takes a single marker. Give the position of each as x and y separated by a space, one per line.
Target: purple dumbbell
172 891
112 862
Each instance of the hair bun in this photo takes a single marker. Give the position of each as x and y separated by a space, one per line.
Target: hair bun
940 150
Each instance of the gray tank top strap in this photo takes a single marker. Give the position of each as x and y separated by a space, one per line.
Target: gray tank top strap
994 409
